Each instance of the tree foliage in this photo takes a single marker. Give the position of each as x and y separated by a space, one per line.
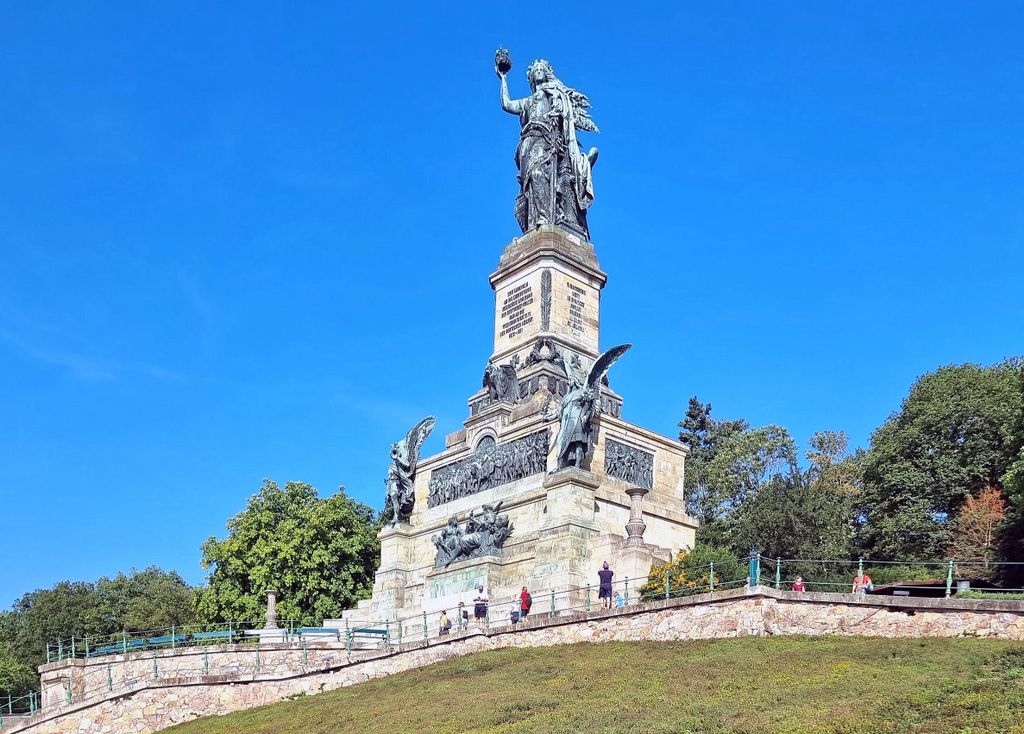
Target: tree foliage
729 462
135 601
955 433
320 554
691 570
974 533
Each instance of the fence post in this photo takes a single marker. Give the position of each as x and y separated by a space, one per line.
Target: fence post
711 577
231 632
552 603
60 649
257 656
778 573
47 653
626 600
666 585
172 636
72 646
425 633
949 578
588 597
754 568
305 653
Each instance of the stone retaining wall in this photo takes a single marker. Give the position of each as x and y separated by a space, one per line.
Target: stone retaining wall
141 703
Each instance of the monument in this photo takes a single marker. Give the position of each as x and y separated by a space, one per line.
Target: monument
544 480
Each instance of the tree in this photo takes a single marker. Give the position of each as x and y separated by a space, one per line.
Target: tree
138 600
955 433
16 678
690 570
149 599
68 609
974 532
320 554
792 517
728 462
1011 531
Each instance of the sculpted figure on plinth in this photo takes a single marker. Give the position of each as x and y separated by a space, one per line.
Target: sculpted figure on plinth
405 454
483 535
556 184
579 406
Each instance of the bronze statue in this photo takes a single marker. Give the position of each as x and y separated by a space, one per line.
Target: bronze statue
579 406
556 185
405 455
483 535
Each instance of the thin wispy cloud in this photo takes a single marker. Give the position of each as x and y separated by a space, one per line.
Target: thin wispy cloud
85 367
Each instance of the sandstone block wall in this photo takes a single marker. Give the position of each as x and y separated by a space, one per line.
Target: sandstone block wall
142 703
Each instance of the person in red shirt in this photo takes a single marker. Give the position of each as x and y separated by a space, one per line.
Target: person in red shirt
525 602
862 583
798 584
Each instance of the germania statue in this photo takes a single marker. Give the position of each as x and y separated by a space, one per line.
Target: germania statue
579 406
405 455
556 184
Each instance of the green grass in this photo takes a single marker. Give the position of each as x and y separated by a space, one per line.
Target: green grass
794 685
999 595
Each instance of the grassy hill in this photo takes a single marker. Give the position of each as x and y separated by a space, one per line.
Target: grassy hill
763 685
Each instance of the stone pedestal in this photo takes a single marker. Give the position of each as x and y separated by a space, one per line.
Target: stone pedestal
548 283
391 581
562 561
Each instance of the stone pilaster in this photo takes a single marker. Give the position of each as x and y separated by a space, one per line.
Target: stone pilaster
391 580
563 542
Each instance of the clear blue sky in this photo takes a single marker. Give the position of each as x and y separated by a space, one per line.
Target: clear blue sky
253 240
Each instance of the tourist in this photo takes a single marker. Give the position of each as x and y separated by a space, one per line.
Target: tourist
604 591
862 583
444 624
514 617
525 602
463 616
480 607
619 601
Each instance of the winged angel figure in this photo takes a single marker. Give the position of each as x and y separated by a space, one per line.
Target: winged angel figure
405 455
556 184
579 406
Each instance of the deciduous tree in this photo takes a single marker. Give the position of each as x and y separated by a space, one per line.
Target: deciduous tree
319 553
955 433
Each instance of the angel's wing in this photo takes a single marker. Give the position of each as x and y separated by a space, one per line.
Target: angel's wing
417 435
604 363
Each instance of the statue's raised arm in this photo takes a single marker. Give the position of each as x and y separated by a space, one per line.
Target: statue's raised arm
555 177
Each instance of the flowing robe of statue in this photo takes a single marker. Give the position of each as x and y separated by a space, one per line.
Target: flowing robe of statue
578 408
556 184
576 414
